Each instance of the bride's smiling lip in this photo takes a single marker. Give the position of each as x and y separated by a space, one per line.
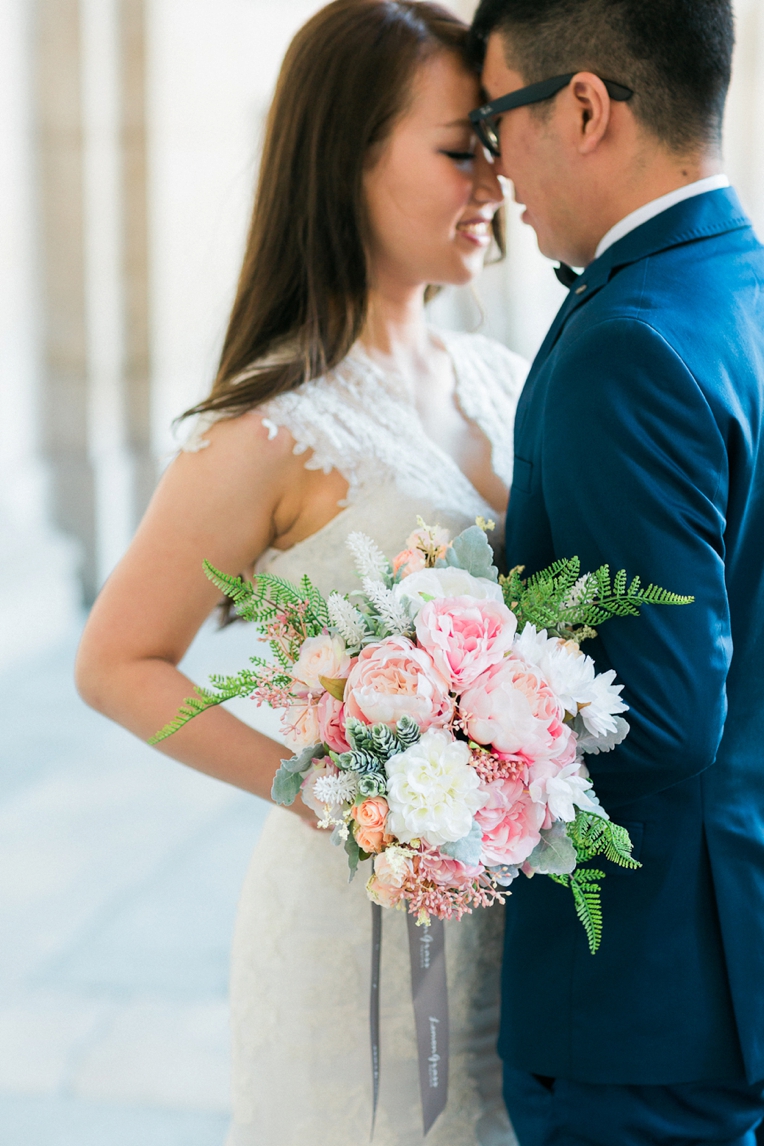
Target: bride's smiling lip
476 230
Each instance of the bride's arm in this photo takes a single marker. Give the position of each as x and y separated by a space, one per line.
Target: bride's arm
225 503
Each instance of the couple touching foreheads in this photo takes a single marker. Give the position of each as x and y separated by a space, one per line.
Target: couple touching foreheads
635 438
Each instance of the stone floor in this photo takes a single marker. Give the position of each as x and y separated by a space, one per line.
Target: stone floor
119 875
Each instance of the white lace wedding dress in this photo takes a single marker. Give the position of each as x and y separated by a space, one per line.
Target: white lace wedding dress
302 947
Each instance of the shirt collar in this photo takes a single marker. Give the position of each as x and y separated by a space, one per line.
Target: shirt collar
657 207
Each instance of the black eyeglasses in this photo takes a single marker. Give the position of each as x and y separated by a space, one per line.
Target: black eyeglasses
485 119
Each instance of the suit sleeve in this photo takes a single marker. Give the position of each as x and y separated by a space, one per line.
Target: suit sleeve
634 473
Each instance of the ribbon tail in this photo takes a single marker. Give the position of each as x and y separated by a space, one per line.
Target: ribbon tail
429 992
376 952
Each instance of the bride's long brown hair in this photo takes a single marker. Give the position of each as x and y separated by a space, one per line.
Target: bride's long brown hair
302 296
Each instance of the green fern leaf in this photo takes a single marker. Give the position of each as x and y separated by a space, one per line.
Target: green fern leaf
584 883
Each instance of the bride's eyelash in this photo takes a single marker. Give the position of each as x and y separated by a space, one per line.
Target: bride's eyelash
460 156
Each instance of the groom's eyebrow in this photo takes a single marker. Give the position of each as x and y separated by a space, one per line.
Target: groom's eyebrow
457 123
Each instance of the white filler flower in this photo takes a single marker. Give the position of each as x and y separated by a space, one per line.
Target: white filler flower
432 790
419 588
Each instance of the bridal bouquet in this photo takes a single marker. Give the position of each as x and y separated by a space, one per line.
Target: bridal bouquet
440 717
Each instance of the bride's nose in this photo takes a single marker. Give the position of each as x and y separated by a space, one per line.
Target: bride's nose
486 187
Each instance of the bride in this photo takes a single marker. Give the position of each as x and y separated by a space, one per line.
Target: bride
336 407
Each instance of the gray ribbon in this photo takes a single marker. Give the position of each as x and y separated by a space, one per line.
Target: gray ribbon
376 951
429 991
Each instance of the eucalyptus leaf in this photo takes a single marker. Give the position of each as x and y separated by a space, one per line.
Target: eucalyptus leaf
471 551
354 855
286 785
468 848
302 762
555 854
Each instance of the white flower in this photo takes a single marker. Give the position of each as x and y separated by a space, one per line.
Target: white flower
432 790
369 559
563 790
573 679
346 619
428 584
321 656
593 745
567 671
603 703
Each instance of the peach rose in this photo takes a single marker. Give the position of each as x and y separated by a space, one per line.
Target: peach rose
331 722
511 707
465 636
394 678
410 561
323 655
370 816
511 823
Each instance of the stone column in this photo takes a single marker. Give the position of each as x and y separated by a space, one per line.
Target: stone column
38 589
61 232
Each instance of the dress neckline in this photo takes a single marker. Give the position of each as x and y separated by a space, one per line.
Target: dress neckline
360 356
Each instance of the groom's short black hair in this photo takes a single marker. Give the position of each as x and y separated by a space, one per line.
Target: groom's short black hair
676 55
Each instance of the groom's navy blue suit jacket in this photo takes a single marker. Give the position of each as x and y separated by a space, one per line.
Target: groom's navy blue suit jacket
639 441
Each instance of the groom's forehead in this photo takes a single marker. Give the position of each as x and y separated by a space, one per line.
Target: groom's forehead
498 77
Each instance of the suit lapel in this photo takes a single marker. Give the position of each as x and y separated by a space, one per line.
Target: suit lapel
713 213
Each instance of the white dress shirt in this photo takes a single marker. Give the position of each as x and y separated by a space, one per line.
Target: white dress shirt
657 207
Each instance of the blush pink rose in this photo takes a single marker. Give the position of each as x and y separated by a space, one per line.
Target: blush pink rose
511 823
394 678
446 871
465 636
300 725
331 722
391 871
511 707
321 656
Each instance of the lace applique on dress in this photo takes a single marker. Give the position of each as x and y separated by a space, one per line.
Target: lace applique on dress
364 422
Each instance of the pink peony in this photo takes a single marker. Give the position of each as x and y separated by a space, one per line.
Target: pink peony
511 823
394 678
331 723
447 872
409 561
511 707
465 636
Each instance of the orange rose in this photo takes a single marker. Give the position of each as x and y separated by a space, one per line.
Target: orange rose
372 813
372 840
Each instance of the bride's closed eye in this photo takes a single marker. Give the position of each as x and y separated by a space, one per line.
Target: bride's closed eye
460 157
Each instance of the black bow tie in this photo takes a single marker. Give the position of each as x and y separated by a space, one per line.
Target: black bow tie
566 275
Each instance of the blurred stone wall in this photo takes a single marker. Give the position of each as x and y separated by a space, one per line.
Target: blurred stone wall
129 137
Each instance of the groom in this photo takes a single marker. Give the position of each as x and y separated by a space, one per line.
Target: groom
640 442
